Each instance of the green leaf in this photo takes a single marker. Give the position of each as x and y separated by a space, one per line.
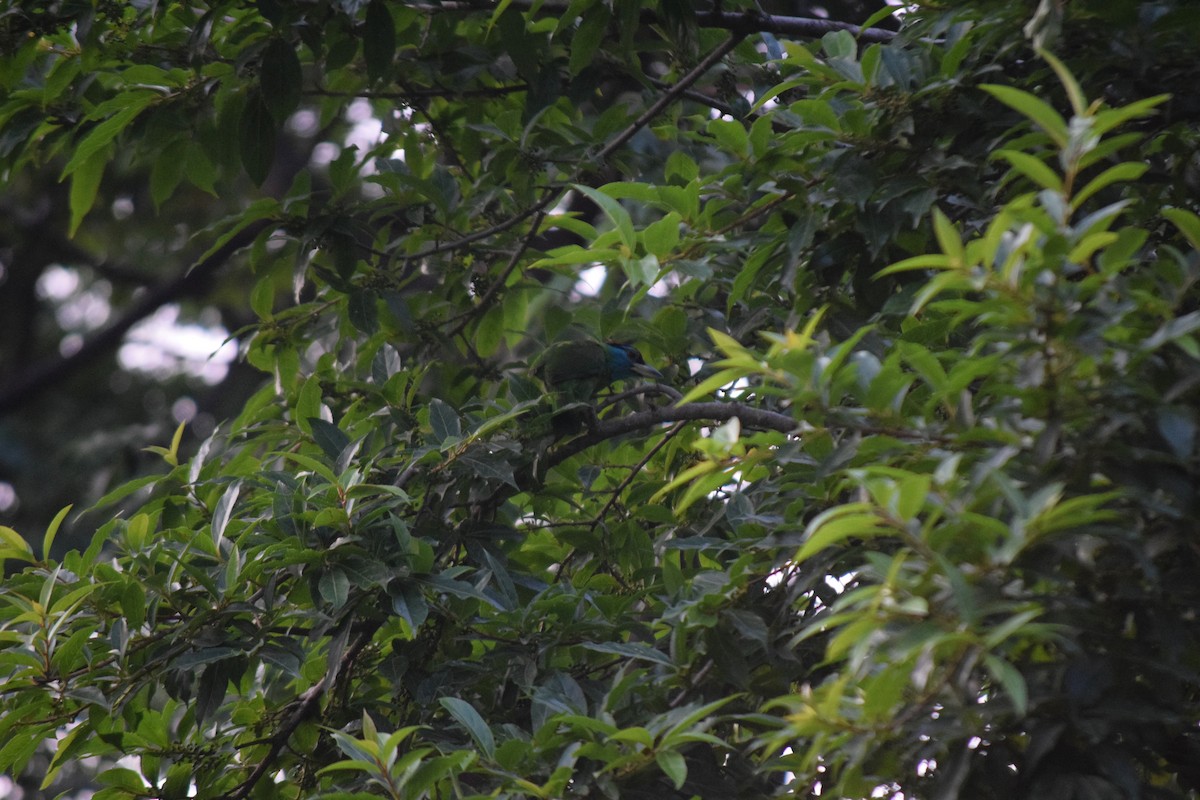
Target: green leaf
490 468
731 135
818 113
635 734
51 531
249 216
776 90
614 211
948 237
929 261
379 40
1126 172
1074 92
1087 247
329 437
641 271
1173 330
170 454
444 421
1010 680
716 381
1033 168
279 78
363 310
1037 110
67 749
224 511
690 715
361 750
133 604
129 105
257 131
15 546
681 166
634 650
314 465
334 587
673 765
1108 119
262 297
1187 222
588 37
308 403
925 363
168 169
574 254
85 183
879 16
466 715
410 604
121 778
838 524
125 489
839 44
662 236
490 331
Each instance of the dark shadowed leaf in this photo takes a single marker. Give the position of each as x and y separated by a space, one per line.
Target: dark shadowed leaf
379 40
280 78
257 130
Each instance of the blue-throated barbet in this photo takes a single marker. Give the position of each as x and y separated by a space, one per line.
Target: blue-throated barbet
576 371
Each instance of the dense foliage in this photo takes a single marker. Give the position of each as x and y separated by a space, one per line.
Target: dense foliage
911 514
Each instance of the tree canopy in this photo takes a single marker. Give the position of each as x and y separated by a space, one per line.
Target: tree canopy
910 514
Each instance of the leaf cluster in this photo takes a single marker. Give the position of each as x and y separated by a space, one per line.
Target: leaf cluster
908 517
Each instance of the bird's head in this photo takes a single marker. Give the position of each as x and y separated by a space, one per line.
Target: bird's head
625 361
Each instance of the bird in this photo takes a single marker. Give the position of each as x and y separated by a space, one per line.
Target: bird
575 371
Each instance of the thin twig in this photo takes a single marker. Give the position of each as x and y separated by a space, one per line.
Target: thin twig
670 96
634 472
485 300
303 708
408 94
553 193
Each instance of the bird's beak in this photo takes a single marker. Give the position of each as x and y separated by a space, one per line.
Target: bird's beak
646 371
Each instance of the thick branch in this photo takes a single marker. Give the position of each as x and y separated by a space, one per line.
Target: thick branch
192 281
750 417
738 22
717 412
747 22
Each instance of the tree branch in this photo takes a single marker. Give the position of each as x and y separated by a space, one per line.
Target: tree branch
43 375
303 707
671 95
748 22
716 412
553 193
750 417
738 22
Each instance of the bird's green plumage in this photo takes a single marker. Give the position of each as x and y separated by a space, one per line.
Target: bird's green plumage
576 371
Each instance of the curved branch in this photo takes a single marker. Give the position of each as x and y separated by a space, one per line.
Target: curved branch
750 417
738 22
748 22
191 281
